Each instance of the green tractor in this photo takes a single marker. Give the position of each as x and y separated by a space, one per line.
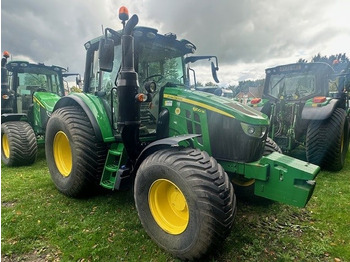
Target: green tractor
28 94
308 105
137 123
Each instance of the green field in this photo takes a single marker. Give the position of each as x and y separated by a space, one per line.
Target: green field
40 224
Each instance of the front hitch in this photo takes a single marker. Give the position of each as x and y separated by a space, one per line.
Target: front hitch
284 179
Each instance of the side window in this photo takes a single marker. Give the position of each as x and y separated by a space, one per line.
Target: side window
94 74
54 84
108 78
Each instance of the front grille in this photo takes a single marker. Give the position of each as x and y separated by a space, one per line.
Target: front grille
229 142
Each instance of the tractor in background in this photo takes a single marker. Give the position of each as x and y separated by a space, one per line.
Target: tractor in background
308 106
138 124
28 94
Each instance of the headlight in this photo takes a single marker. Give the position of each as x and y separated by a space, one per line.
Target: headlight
254 131
151 87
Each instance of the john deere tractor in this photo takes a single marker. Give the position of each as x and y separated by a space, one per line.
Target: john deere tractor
28 93
137 123
308 105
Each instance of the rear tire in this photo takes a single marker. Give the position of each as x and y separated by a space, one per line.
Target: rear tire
244 187
185 201
18 144
74 155
327 141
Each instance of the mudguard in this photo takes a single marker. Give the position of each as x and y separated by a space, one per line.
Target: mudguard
94 109
313 111
13 117
162 143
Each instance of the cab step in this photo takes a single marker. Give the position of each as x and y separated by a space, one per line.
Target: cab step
114 175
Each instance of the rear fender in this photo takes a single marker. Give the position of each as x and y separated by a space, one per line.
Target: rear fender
95 111
313 111
13 117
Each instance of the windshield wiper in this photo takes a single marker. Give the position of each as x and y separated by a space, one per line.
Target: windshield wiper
278 82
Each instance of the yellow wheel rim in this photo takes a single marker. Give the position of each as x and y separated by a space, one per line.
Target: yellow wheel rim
241 181
62 153
168 206
342 143
5 146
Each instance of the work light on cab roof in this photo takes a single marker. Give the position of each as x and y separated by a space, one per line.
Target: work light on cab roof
6 54
123 14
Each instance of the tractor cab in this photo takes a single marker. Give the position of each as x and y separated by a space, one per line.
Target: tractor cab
298 82
159 60
33 89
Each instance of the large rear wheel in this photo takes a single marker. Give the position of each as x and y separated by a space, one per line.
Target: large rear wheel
18 144
185 201
74 155
244 187
327 141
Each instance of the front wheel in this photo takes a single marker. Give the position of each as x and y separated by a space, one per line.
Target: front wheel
18 144
185 201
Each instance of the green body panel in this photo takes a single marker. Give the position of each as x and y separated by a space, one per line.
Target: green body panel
46 100
278 177
222 105
43 104
95 104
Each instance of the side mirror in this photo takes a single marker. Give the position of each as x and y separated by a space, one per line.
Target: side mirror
78 80
106 54
214 69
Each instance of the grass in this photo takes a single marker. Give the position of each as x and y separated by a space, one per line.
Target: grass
40 224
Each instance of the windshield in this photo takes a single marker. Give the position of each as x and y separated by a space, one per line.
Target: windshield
291 86
41 80
162 71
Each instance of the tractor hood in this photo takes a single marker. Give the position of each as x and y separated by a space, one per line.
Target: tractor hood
46 100
230 131
221 105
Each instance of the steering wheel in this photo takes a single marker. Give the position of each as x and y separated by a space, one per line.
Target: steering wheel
151 76
41 90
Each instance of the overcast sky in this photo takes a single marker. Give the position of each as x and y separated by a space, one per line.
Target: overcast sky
247 36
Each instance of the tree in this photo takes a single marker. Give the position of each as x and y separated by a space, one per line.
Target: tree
339 62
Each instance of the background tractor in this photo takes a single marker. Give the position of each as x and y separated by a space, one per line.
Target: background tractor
308 105
28 94
137 123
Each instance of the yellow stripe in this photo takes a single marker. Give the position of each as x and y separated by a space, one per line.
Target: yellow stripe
189 101
36 100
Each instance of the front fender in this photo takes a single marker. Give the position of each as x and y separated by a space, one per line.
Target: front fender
95 110
161 144
313 111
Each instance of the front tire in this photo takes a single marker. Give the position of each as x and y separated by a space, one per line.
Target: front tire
74 155
185 201
18 144
327 141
